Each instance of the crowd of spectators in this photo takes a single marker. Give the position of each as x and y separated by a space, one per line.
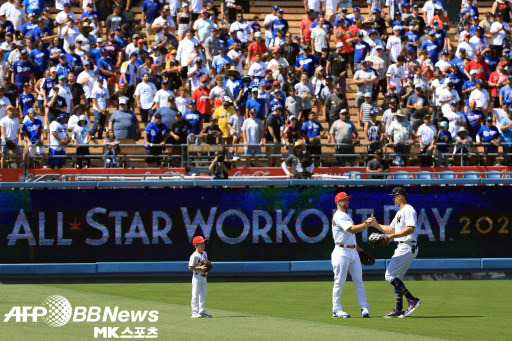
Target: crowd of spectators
194 73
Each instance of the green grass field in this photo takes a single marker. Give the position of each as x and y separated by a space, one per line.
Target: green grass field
454 310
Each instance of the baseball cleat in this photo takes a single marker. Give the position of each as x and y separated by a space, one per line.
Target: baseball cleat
205 315
365 313
412 307
196 316
394 314
340 314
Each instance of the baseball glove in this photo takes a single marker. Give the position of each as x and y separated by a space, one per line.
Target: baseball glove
365 257
377 239
208 265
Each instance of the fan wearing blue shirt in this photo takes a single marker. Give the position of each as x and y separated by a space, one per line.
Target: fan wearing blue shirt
256 103
39 57
506 93
29 25
279 24
506 138
307 62
312 131
475 118
156 133
25 100
361 50
33 6
432 47
23 70
63 68
221 60
32 128
193 117
459 62
151 11
469 86
486 134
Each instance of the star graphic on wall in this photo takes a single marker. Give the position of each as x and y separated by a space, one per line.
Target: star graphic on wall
75 226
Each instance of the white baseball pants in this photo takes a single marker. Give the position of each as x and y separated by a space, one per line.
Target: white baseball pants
199 286
345 260
400 262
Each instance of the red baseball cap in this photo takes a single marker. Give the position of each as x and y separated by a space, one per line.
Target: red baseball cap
276 83
198 240
502 63
341 196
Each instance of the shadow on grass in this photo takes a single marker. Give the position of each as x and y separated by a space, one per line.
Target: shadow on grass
442 317
231 316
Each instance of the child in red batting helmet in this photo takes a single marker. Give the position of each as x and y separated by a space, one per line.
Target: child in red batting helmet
199 286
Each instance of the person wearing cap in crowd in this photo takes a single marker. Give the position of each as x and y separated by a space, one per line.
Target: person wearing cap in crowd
374 131
426 137
505 93
444 140
30 24
163 25
313 7
308 62
319 38
345 135
291 133
25 100
116 19
499 31
253 136
211 134
365 109
361 50
497 80
222 114
380 63
448 96
480 96
469 86
212 45
59 139
63 17
199 284
313 132
479 42
32 131
10 135
276 98
396 73
80 135
334 103
305 90
221 62
418 105
150 11
273 135
479 65
23 71
203 26
400 135
100 101
490 136
337 66
155 136
241 29
186 48
463 148
365 79
163 97
235 123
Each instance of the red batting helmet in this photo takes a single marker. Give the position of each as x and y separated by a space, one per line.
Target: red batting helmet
198 240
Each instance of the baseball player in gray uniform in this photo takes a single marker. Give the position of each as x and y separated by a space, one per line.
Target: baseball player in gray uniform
403 231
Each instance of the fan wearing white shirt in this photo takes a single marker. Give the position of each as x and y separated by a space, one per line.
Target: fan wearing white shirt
448 96
394 44
499 31
10 133
480 96
144 94
163 25
426 136
162 96
396 73
63 17
80 135
16 15
100 101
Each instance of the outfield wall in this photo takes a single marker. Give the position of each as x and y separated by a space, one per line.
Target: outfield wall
284 224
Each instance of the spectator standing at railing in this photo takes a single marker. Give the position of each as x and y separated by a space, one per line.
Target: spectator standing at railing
463 148
100 101
400 134
334 103
58 141
475 117
156 134
377 165
489 134
365 109
426 135
211 133
375 133
32 131
444 140
124 123
344 134
506 138
312 132
10 133
80 135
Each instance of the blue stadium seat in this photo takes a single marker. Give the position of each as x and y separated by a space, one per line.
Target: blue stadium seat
470 175
401 175
493 174
353 175
447 175
424 175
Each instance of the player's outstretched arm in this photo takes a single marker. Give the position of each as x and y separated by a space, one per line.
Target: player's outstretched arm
383 228
361 227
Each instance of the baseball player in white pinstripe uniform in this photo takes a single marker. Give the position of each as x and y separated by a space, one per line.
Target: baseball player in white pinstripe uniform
403 231
345 258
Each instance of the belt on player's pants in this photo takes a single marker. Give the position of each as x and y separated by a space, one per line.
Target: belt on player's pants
202 275
347 246
411 242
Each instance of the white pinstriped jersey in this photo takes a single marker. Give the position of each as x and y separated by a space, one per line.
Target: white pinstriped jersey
405 217
340 223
